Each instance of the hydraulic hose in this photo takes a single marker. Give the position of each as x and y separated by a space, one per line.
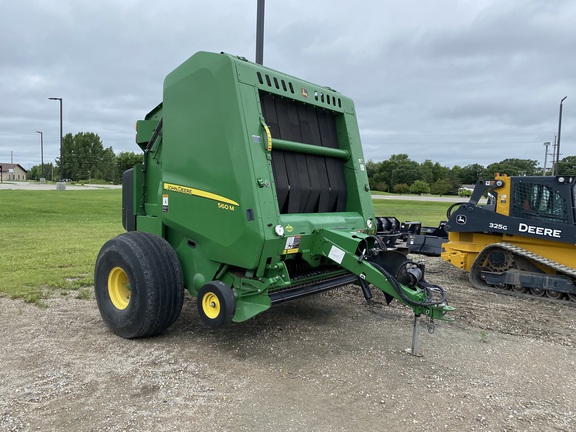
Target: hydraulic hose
449 211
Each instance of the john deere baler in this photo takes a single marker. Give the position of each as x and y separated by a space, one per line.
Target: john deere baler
253 191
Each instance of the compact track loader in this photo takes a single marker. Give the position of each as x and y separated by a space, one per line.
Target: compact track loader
253 191
523 242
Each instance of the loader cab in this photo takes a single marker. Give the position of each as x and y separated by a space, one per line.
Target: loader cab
548 199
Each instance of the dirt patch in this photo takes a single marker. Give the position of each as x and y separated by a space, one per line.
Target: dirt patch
325 363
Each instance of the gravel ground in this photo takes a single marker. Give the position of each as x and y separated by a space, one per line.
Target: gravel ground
325 363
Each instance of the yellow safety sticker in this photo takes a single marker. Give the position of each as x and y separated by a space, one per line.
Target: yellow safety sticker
290 251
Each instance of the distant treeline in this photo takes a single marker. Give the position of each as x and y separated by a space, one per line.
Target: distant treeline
400 174
86 159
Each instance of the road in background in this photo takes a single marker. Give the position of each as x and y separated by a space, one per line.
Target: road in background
52 186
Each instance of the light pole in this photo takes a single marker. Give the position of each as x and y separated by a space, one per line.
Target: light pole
559 130
61 161
41 154
260 31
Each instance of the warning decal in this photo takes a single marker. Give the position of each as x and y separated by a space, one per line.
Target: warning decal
292 245
165 203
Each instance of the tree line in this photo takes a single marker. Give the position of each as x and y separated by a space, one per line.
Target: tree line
400 174
85 159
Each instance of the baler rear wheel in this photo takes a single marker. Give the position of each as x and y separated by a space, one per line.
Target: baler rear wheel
216 304
138 284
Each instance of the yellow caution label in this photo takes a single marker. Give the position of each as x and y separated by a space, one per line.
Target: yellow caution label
290 251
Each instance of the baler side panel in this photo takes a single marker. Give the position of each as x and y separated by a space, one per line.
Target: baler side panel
355 169
209 153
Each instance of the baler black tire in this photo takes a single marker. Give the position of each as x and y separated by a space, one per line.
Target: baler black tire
216 304
139 285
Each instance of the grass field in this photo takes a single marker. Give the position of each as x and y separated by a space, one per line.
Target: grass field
430 213
50 239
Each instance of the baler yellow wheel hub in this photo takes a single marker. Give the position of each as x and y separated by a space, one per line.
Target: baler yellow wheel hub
211 305
119 288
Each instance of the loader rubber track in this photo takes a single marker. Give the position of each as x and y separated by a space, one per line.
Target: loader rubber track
516 250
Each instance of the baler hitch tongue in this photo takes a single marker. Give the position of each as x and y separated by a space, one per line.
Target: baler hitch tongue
408 286
388 270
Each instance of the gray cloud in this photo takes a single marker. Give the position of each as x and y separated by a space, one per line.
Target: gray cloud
454 81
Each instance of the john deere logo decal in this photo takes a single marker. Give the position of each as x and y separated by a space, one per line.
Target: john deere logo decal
461 219
304 92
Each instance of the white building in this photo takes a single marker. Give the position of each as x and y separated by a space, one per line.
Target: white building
12 172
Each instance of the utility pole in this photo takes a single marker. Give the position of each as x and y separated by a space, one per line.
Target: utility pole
553 154
41 154
546 145
61 161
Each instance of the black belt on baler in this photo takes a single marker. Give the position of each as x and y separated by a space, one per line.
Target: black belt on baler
305 183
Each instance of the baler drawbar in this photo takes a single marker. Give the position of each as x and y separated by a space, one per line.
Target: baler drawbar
253 191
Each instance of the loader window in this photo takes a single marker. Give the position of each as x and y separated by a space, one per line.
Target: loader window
539 202
304 183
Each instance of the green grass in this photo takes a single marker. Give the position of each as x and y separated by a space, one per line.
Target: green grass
51 239
430 213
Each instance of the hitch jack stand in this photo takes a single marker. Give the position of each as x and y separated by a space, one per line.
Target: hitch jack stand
414 350
365 290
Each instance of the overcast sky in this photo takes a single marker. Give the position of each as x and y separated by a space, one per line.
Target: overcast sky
454 81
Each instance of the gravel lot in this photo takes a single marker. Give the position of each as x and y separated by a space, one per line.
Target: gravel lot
325 363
